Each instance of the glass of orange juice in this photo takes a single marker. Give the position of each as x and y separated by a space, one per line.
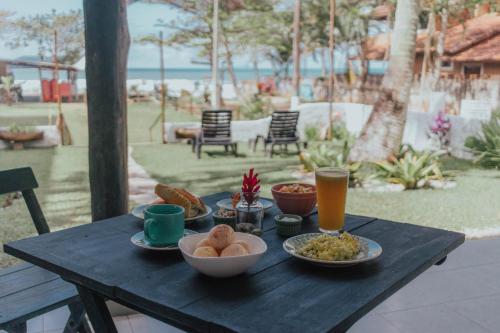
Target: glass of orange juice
331 192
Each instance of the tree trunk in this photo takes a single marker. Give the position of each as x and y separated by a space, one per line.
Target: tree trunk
383 133
331 76
427 50
106 48
230 67
323 62
296 48
440 47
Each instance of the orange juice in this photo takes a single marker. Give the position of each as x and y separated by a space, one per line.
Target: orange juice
331 192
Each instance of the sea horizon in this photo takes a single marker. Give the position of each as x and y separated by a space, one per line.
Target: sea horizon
185 73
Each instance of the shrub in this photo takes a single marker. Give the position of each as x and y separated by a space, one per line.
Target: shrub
325 155
312 133
341 133
486 146
254 108
413 170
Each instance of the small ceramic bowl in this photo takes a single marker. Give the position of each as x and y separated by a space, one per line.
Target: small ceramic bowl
225 266
288 224
218 219
294 203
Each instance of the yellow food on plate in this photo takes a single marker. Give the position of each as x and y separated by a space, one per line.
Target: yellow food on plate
205 251
243 243
193 205
234 250
221 236
332 248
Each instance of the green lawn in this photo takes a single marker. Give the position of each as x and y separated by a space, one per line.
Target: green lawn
64 190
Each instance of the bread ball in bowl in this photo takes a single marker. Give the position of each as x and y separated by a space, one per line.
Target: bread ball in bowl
203 242
242 243
220 236
205 251
233 250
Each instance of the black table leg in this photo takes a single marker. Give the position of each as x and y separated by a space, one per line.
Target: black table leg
98 312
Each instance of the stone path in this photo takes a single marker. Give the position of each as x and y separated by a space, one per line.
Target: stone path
462 295
140 184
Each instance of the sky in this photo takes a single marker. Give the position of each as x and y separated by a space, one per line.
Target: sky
141 19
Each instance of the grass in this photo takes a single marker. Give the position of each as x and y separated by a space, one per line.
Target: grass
64 191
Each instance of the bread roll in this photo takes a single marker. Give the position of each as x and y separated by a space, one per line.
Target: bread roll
205 251
203 242
234 250
221 236
243 243
193 205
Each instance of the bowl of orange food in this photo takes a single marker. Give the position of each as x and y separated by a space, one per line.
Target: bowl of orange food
295 198
222 252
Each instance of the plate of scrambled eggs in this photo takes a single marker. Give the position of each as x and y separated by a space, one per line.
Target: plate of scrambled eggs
332 250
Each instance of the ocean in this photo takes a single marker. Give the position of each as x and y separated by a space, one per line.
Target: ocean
182 73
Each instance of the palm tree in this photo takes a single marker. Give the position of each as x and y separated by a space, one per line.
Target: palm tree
383 132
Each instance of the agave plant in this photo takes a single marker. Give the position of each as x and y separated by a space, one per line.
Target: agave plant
487 145
325 155
413 170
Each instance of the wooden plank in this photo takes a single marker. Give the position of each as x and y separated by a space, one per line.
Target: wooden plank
14 180
15 268
35 212
106 61
24 279
30 303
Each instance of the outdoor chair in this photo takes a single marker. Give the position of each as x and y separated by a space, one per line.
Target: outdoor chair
282 132
215 131
27 291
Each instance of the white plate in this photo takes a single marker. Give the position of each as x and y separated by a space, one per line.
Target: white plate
138 212
228 204
369 250
222 266
139 240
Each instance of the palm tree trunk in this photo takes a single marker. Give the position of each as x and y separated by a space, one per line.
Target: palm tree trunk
230 67
383 132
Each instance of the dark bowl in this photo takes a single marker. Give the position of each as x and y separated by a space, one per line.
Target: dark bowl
294 203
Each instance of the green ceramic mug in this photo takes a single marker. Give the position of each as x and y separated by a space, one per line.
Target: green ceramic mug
163 224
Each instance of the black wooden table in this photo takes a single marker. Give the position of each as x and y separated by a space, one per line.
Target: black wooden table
279 294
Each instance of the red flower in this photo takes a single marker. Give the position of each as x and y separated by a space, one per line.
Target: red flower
250 185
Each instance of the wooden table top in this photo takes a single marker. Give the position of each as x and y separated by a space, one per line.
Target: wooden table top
278 294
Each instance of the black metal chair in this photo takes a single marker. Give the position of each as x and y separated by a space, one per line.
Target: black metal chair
27 291
282 132
215 131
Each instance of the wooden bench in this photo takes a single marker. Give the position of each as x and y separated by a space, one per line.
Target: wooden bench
215 131
282 132
27 291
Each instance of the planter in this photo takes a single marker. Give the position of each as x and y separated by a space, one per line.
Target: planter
21 136
17 139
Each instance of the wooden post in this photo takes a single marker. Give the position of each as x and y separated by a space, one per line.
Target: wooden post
215 99
106 49
162 78
60 120
331 78
296 48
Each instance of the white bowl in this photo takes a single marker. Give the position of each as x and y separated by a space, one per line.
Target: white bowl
225 266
